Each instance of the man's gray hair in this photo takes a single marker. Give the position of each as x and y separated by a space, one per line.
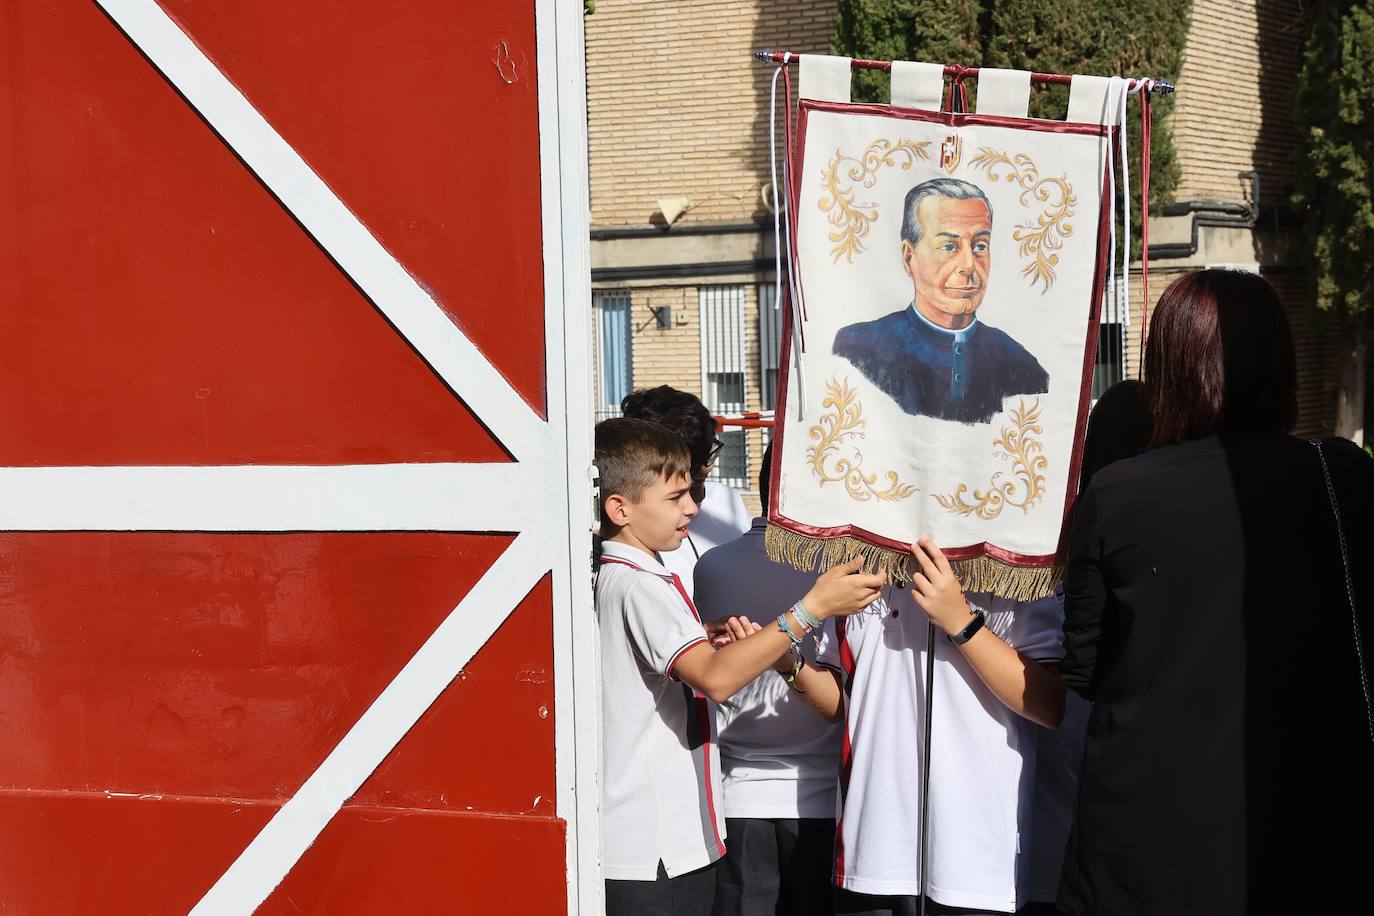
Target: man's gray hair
955 188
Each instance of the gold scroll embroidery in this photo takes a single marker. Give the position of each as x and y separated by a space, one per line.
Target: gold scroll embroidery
842 422
1040 241
852 221
1027 486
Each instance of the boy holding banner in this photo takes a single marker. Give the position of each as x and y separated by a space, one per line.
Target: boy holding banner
995 678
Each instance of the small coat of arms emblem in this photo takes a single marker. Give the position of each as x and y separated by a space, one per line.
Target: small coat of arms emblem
950 150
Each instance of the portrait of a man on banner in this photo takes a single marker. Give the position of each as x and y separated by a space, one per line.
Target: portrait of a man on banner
934 357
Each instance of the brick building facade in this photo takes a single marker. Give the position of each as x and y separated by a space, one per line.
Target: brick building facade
678 121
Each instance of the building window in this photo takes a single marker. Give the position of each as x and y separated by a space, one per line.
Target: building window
1110 366
770 346
1111 352
614 355
723 367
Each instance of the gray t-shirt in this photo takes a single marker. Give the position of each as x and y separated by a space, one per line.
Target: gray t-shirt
778 758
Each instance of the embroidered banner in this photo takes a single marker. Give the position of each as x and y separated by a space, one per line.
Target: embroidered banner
950 268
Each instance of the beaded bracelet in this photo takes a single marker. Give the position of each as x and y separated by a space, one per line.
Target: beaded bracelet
791 679
786 630
804 617
810 623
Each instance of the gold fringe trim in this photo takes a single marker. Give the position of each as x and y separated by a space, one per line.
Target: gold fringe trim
819 554
981 575
986 575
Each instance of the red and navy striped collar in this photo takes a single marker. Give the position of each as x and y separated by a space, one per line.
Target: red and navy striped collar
625 555
616 552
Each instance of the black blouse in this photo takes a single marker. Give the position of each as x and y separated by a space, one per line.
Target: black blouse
1228 765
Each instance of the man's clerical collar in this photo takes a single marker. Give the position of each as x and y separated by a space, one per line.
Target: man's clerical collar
959 336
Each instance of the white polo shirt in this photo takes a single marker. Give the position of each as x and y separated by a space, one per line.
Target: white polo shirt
660 777
778 758
982 756
721 519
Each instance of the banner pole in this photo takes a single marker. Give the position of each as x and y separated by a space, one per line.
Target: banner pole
925 757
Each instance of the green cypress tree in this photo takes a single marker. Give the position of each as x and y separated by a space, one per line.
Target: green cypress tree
1336 184
1047 37
1335 101
1146 39
934 30
1050 36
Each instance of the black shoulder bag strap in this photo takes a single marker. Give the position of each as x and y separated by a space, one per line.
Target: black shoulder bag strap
1349 586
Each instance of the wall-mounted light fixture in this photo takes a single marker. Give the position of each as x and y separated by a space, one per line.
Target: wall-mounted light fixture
672 208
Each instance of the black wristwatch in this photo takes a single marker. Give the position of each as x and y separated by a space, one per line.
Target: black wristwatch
979 618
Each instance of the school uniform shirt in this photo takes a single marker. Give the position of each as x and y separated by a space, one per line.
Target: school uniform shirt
660 776
721 519
778 759
982 756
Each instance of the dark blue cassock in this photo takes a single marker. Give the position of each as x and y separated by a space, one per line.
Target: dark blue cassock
934 372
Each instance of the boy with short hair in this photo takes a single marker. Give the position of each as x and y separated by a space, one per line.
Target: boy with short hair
661 817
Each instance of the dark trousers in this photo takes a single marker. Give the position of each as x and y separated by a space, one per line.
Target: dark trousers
686 895
776 867
848 903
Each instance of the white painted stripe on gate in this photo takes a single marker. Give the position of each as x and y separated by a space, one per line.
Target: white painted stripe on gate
394 291
380 497
280 844
560 43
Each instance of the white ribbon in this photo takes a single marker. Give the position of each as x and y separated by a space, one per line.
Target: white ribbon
781 218
1110 98
1119 91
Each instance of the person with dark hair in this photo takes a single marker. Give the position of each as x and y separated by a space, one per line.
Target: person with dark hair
1210 617
778 758
1118 428
722 516
934 357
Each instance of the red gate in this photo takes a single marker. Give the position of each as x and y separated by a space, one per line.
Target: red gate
287 609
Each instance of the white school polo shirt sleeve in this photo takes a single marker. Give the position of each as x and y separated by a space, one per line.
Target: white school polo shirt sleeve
656 626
